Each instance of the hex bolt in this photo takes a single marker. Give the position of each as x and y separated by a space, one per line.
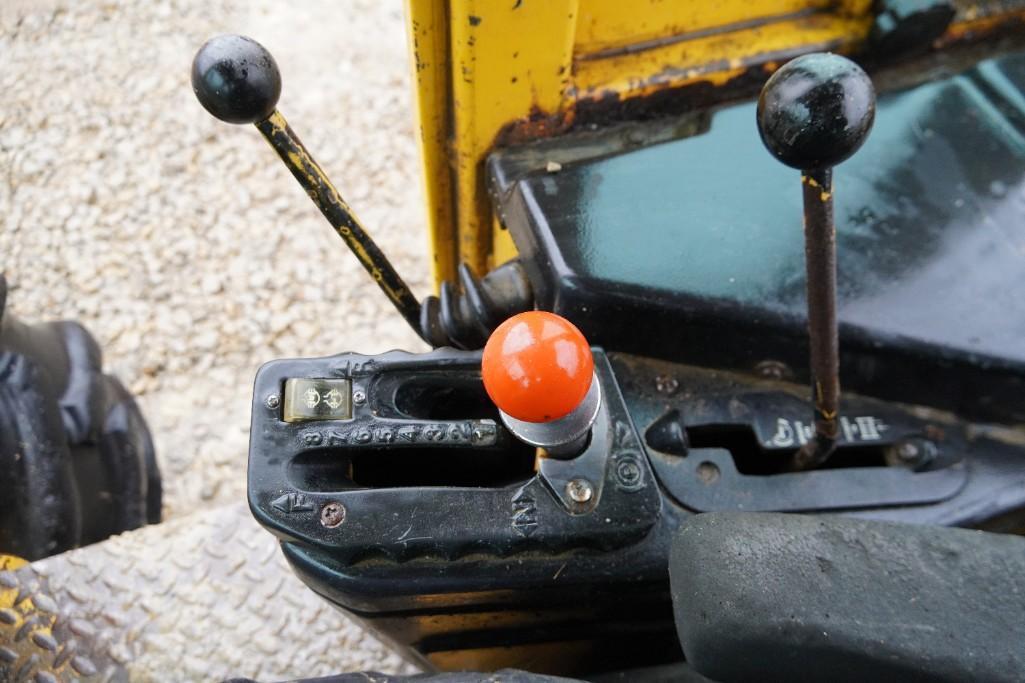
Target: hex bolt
332 514
580 490
913 452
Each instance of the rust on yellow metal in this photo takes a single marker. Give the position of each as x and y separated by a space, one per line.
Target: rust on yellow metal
975 21
511 70
511 62
714 57
427 23
300 162
481 66
607 24
497 72
318 187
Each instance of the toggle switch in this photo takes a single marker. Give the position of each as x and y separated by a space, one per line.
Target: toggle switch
538 369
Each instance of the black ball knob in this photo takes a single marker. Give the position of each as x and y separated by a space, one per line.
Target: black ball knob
816 111
236 79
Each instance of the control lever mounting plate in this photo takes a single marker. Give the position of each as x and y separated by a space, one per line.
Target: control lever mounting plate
296 469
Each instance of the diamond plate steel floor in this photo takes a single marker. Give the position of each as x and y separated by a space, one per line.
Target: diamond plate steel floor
200 598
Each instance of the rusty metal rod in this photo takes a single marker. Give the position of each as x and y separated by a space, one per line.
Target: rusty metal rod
237 80
814 113
820 264
323 193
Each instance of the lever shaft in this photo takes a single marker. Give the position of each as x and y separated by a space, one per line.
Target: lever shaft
319 188
820 264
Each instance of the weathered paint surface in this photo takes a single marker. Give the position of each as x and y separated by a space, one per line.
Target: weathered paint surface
427 27
23 622
510 62
716 56
605 24
499 72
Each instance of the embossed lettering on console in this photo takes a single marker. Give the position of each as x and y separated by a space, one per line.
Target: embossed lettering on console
860 429
465 432
628 471
292 502
524 518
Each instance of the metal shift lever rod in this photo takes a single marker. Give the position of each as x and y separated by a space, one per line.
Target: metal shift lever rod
237 80
815 112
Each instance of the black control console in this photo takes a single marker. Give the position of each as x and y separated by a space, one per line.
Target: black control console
423 516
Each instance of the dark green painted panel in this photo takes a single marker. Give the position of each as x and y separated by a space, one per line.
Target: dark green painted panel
931 216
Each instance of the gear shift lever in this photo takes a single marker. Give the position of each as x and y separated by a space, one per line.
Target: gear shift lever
237 80
813 113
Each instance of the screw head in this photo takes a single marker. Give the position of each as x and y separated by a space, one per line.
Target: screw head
579 490
772 369
666 384
816 111
915 453
332 514
236 79
628 474
359 397
272 401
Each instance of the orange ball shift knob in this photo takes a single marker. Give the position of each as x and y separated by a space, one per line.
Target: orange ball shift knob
537 367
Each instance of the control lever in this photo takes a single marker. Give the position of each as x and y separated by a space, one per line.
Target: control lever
538 369
813 113
237 80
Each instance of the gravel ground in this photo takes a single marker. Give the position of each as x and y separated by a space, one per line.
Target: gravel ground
182 242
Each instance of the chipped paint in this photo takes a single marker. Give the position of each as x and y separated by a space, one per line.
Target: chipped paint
427 34
502 73
510 66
